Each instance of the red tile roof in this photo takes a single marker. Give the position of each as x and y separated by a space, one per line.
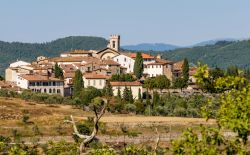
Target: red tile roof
36 77
135 83
69 74
144 56
94 76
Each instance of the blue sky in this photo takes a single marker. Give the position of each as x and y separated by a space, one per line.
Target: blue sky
181 22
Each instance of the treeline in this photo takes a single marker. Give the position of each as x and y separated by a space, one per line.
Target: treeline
10 52
222 54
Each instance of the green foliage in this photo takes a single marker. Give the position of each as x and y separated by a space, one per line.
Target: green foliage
58 72
108 89
42 97
222 55
22 149
138 65
10 52
133 150
77 83
179 83
234 112
130 108
161 82
232 71
82 129
119 93
8 93
125 94
130 95
185 72
139 95
87 94
122 77
158 82
102 151
62 148
149 83
210 142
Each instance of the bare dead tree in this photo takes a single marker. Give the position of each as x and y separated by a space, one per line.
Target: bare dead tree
157 140
88 138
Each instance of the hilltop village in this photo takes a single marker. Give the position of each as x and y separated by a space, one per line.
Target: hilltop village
96 67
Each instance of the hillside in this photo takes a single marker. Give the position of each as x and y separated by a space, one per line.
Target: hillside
222 54
10 52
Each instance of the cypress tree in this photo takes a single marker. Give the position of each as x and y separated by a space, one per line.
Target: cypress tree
109 90
125 95
185 71
78 82
119 93
131 99
138 65
139 95
58 72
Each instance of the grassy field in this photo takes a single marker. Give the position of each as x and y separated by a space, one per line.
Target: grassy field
49 120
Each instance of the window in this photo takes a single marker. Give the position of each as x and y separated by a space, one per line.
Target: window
129 66
125 59
54 90
94 83
54 83
117 60
45 91
50 91
156 66
100 82
113 43
88 82
58 91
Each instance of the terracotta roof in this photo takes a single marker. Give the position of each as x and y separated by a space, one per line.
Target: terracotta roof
37 77
135 83
80 52
68 59
178 65
110 62
68 67
69 74
144 56
4 84
94 76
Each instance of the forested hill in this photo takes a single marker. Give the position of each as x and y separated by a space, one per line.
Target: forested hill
222 54
10 52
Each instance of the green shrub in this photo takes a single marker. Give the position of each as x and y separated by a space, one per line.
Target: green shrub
82 129
130 108
62 148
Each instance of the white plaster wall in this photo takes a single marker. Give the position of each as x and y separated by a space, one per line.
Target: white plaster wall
97 83
21 82
154 70
129 63
134 89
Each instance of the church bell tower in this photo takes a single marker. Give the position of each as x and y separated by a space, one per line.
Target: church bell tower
114 42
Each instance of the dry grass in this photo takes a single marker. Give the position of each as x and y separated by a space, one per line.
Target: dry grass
50 118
